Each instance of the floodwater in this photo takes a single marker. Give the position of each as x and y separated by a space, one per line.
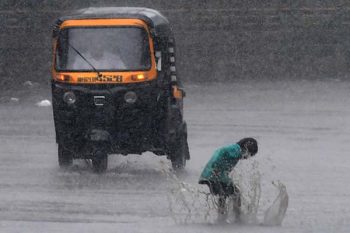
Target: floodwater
303 130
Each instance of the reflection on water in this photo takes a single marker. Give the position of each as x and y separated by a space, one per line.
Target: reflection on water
127 174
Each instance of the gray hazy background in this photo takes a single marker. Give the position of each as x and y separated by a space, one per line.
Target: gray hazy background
216 40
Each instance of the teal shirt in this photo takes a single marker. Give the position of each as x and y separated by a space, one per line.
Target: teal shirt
221 164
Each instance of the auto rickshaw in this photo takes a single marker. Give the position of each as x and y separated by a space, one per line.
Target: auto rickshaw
115 89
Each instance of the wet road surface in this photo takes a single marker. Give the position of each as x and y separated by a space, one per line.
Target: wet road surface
303 129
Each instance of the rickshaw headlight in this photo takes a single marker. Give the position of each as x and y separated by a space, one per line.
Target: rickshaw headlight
69 97
130 97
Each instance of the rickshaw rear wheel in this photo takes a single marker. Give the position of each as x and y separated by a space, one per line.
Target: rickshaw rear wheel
180 153
100 162
65 157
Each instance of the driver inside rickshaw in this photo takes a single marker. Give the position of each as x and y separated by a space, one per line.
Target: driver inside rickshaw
96 50
99 57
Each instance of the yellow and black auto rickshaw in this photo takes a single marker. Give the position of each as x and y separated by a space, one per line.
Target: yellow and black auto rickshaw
115 89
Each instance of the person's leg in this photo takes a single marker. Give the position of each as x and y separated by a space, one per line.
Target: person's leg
222 208
233 192
222 204
217 189
236 196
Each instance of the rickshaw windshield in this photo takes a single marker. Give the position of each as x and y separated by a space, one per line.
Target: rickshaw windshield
105 48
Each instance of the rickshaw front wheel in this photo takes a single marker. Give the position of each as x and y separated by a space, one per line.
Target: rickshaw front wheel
100 162
65 157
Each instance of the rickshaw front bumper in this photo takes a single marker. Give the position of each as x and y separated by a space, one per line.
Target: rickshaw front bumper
128 117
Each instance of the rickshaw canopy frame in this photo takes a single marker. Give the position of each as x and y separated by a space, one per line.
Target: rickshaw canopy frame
159 25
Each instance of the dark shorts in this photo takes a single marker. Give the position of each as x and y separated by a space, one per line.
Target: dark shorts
221 189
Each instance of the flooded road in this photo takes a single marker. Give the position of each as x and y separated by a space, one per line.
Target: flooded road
303 130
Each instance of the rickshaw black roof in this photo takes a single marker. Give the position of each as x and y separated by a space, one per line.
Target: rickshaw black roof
153 18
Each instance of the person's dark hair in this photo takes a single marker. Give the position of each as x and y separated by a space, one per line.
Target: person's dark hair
250 144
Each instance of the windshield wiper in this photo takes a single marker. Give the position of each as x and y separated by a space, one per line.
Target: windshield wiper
98 73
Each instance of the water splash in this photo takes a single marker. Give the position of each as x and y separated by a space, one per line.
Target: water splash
274 215
248 178
190 204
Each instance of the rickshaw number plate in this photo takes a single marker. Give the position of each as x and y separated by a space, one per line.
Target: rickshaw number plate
103 79
99 100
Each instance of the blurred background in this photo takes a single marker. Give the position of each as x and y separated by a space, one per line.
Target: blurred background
216 40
